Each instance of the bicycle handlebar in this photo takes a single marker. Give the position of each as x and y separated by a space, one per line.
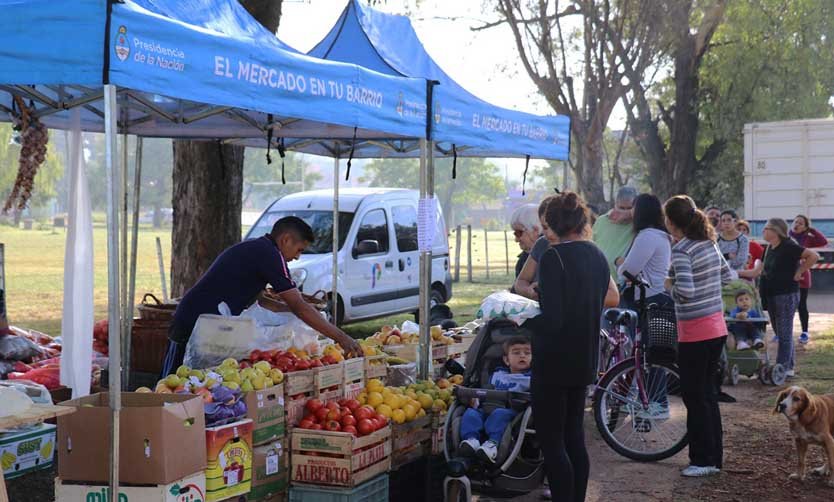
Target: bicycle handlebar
637 281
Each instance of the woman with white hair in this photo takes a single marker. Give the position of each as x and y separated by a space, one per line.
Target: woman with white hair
526 229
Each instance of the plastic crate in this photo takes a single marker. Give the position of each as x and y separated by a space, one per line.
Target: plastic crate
374 490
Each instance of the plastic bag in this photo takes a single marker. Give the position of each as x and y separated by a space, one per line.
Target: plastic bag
35 391
506 305
18 348
265 317
216 338
410 328
402 374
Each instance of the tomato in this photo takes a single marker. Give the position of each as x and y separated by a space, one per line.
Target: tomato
313 405
321 414
342 402
351 429
352 404
348 420
306 424
362 413
334 415
381 419
345 412
316 427
315 363
328 360
333 425
302 365
365 427
332 405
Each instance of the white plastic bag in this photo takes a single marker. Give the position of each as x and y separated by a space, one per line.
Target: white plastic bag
410 328
266 317
506 305
216 338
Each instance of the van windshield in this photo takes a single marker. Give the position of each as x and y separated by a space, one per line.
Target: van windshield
321 221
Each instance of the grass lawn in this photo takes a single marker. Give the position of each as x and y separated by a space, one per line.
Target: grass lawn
35 275
816 367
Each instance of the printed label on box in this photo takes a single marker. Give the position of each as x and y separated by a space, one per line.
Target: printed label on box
272 463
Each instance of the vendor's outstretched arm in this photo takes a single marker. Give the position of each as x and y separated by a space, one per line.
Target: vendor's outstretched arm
313 318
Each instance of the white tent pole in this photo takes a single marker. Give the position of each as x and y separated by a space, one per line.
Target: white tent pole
113 313
131 295
334 287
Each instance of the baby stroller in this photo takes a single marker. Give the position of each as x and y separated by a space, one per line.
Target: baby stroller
519 466
748 362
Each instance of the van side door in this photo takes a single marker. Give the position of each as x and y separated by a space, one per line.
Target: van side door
370 278
407 263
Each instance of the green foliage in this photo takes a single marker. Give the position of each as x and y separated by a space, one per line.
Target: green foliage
771 60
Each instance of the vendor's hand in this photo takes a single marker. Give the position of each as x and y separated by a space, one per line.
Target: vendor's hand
352 347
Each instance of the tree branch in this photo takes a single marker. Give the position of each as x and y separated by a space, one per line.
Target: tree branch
570 10
712 18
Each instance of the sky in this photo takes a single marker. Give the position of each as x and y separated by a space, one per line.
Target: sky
484 62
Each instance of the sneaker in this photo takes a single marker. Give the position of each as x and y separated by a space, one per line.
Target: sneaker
656 411
758 343
468 447
790 373
742 345
546 495
488 451
697 471
803 338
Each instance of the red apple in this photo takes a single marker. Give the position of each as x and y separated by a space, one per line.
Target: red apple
365 427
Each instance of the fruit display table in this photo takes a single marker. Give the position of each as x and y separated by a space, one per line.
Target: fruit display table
37 413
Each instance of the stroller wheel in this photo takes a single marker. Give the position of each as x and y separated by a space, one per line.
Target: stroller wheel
778 374
764 375
457 490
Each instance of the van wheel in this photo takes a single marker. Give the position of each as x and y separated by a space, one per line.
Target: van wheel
436 298
341 310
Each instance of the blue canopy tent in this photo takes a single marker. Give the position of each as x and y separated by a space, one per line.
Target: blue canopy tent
198 69
461 124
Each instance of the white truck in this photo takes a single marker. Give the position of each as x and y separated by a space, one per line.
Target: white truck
789 170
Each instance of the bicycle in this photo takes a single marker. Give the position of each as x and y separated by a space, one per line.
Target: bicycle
637 404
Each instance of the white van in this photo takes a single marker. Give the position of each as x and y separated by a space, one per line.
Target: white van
379 265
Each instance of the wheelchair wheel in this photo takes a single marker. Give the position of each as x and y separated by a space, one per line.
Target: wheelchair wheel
645 433
732 375
778 374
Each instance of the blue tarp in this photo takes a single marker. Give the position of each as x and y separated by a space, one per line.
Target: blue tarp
388 44
192 68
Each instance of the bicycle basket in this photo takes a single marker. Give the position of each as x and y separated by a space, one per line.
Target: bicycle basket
660 334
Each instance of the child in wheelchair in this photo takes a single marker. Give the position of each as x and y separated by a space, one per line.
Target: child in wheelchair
490 420
747 334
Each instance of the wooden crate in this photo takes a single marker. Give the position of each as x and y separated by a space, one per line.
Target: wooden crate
294 406
407 456
339 458
329 376
334 393
299 382
409 351
375 367
354 369
410 441
352 389
438 433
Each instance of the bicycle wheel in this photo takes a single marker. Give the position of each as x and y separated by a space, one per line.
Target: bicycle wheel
644 432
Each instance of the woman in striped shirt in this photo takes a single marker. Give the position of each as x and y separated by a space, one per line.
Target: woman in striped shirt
695 279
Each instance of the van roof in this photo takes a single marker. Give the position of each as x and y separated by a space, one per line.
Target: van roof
349 198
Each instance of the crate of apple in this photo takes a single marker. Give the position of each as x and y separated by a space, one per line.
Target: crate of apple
290 360
345 415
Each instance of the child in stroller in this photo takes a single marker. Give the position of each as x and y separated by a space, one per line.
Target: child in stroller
747 334
491 420
518 465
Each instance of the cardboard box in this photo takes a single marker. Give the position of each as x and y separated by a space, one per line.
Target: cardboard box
339 458
229 462
162 438
266 409
188 489
271 472
29 450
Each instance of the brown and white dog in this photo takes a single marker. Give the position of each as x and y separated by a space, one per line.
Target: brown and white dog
811 421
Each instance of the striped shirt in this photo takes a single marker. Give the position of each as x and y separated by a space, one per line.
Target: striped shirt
698 270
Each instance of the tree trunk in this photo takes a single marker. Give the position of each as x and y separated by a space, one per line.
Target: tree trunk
684 133
208 190
589 171
208 184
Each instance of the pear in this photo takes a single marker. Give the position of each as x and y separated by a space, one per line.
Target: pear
230 363
183 371
264 366
276 375
258 382
246 386
173 381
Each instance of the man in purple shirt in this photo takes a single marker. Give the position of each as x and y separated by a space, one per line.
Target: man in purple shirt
238 275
